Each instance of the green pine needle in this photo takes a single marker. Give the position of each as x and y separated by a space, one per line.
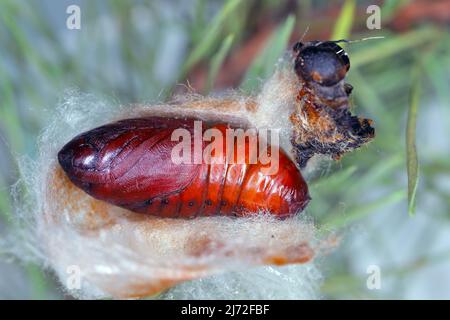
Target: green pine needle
412 163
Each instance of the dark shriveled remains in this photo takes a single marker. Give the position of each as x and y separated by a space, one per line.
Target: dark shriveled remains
322 120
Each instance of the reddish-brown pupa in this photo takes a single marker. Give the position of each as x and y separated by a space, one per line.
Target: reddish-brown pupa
129 164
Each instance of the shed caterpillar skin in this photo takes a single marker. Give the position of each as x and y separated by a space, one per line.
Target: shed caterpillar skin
322 121
128 164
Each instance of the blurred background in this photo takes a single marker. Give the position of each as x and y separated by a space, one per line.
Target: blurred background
389 201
